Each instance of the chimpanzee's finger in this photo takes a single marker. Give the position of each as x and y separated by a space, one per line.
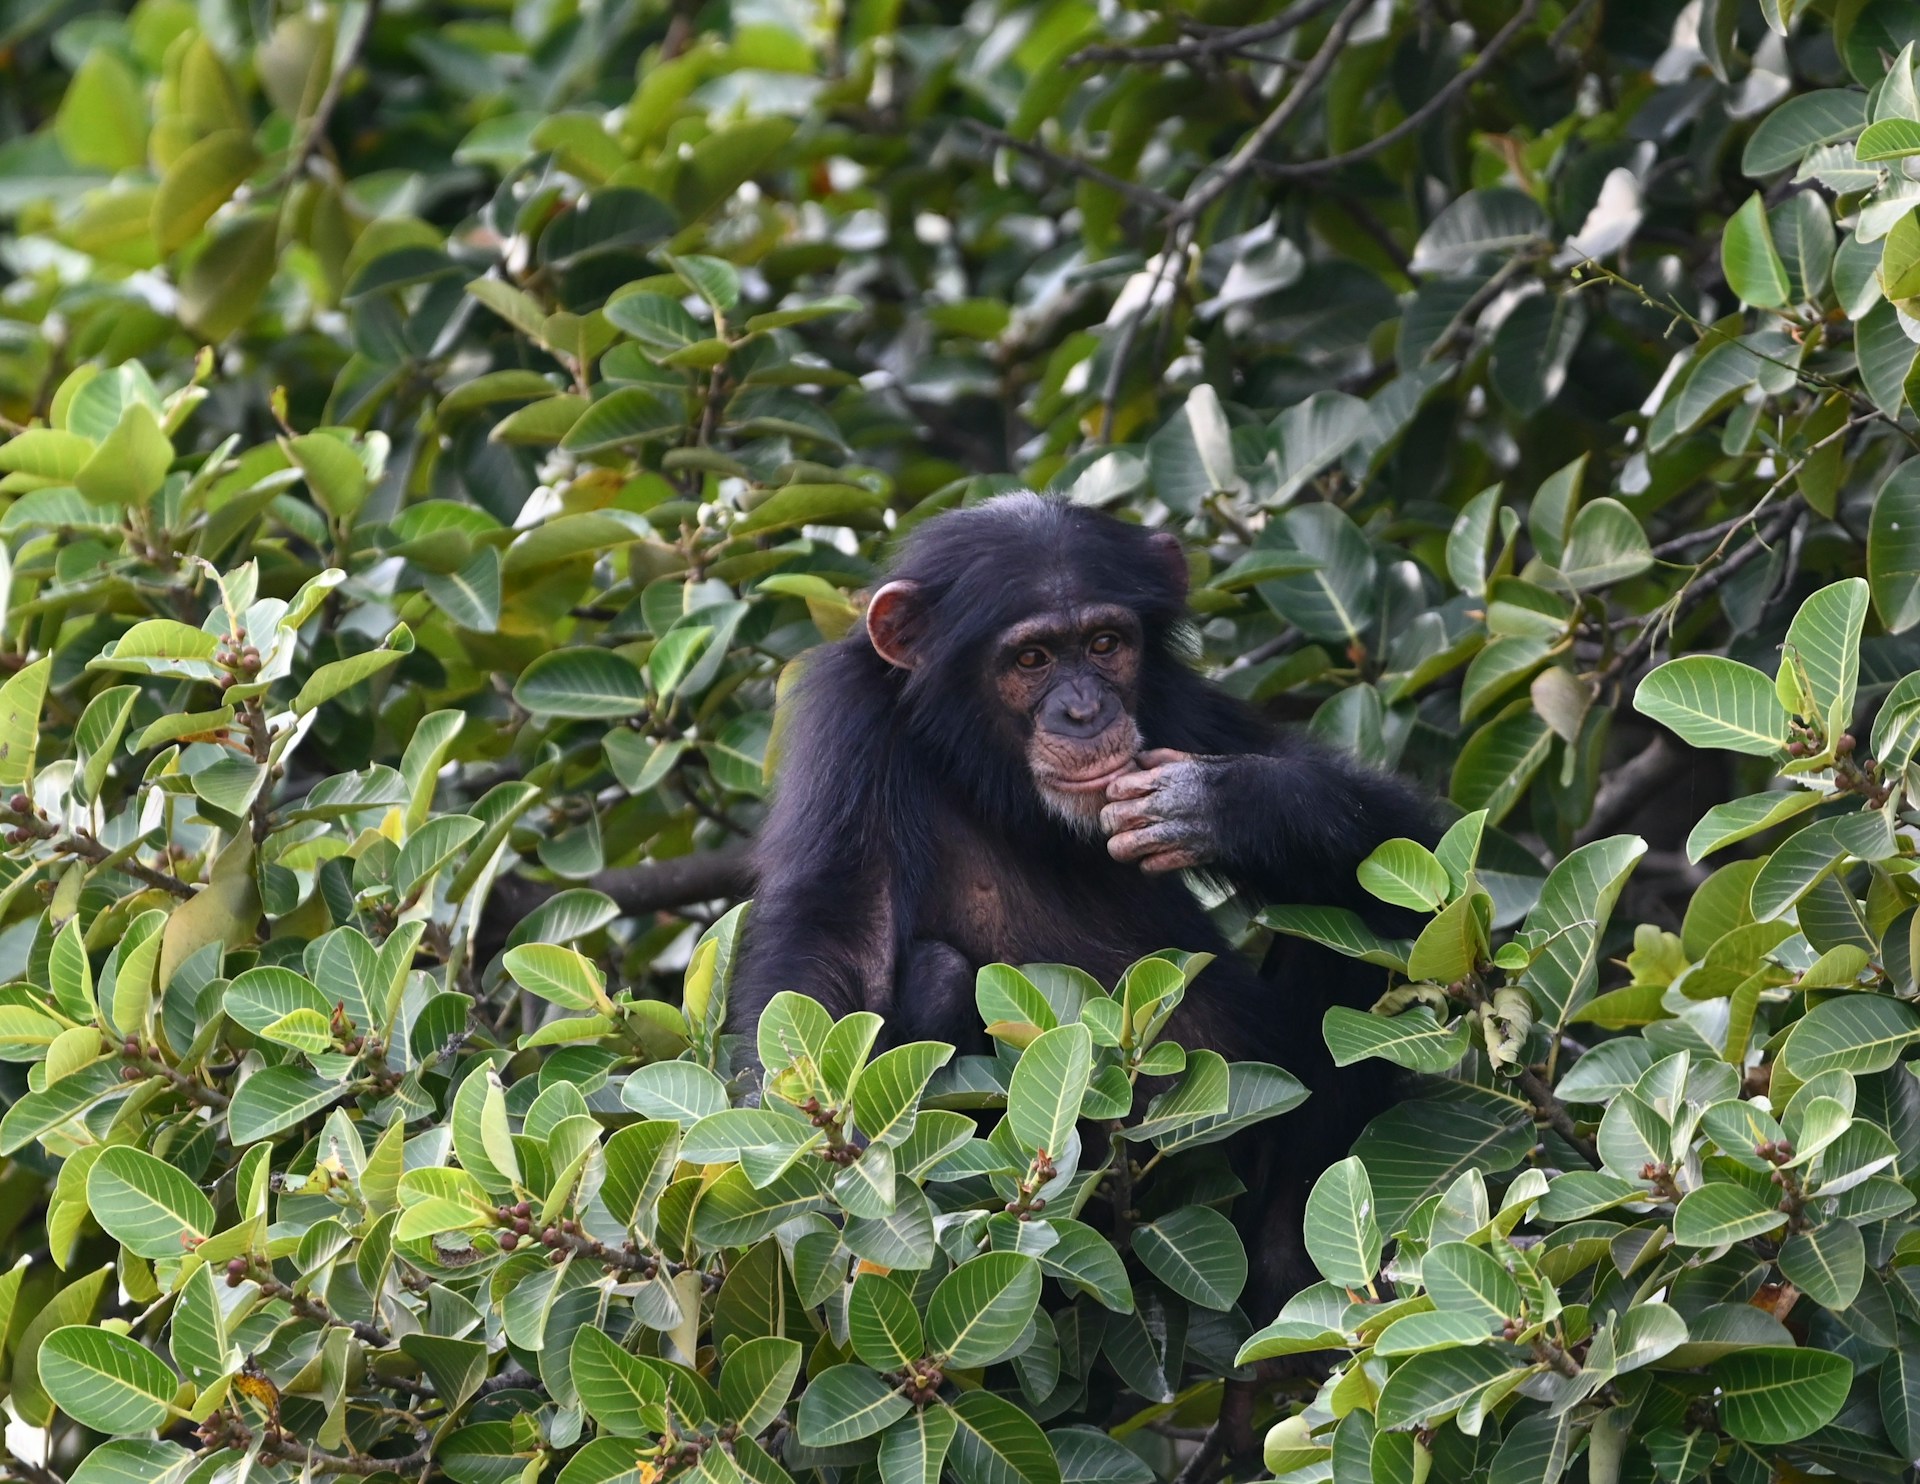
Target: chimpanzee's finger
1137 784
1133 845
1169 860
1159 757
1118 818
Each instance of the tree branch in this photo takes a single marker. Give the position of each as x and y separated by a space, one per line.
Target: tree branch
1548 1106
1060 164
1227 40
1213 187
316 129
1284 170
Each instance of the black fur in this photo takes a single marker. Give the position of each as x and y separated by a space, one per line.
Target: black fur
907 844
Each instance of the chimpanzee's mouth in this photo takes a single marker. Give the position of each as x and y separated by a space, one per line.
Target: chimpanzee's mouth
1092 783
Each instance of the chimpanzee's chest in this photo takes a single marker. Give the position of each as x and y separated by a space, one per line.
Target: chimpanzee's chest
999 903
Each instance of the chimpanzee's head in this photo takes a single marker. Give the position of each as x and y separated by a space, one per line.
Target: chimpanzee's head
1046 618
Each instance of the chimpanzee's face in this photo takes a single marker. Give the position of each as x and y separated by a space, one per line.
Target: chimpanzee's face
1069 681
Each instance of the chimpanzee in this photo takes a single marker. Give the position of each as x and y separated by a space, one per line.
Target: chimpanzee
1010 763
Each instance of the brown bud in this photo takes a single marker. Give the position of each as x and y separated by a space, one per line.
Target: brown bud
131 1049
20 803
237 1267
509 1240
131 1074
522 1208
1779 1177
551 1237
1764 1149
1845 745
522 1225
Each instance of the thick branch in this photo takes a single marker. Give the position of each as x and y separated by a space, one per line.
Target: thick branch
653 886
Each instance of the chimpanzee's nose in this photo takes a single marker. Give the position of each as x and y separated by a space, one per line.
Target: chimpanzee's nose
1082 708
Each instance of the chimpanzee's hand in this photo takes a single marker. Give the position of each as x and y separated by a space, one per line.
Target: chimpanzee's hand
1162 815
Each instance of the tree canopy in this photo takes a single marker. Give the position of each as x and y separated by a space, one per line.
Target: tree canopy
431 434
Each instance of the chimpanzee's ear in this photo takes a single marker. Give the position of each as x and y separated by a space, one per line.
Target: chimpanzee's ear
894 617
1166 546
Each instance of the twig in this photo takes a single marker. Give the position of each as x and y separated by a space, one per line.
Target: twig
1457 85
316 129
1060 164
1228 39
307 1306
1213 187
276 1449
194 1090
91 849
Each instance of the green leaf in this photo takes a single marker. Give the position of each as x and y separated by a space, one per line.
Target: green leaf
1196 1252
1576 901
333 472
1740 819
147 1205
106 1381
623 1394
914 1449
1405 873
102 122
1498 221
757 1379
1893 548
558 974
199 183
1043 1099
1342 1234
997 1443
1776 1394
1715 702
1854 1033
274 1100
882 1323
1414 1038
1824 641
633 414
587 684
20 701
1798 125
131 463
1889 139
1722 1212
1749 260
889 1089
1462 1278
1428 1389
1827 1263
845 1403
1606 545
981 1308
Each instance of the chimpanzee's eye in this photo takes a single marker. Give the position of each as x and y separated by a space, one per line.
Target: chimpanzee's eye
1104 643
1031 658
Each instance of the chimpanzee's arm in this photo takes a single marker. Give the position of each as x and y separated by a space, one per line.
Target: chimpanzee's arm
1289 823
828 937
